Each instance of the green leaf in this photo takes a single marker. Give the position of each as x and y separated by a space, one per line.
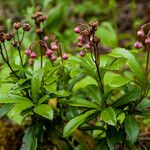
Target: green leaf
5 108
131 61
44 110
29 139
9 98
80 102
76 122
115 80
131 129
94 93
144 104
130 96
43 99
36 84
108 115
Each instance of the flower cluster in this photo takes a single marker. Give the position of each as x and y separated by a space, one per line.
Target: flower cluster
39 18
51 52
143 36
87 38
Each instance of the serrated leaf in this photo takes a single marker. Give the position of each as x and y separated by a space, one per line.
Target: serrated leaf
76 122
144 104
36 84
108 115
5 108
131 60
131 129
9 98
115 80
44 110
94 93
80 102
29 139
132 95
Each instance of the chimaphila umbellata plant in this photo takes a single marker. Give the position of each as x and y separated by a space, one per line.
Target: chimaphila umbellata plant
114 91
37 82
102 92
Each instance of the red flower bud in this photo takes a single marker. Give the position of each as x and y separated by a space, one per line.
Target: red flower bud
16 25
77 30
80 44
140 33
49 52
138 45
82 53
80 38
33 55
147 40
88 46
54 46
65 56
28 52
53 58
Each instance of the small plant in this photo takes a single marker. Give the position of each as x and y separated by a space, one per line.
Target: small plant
111 96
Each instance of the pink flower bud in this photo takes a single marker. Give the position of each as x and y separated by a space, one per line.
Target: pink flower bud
46 38
49 52
28 52
77 30
82 53
147 40
53 58
80 44
54 46
88 46
140 33
137 45
80 38
65 56
33 55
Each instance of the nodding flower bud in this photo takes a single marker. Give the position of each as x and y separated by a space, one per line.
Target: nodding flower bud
8 36
88 46
147 40
140 33
53 58
2 39
42 18
33 55
80 38
26 27
39 31
49 53
16 25
28 52
82 53
65 56
46 38
137 45
80 44
93 23
54 46
77 30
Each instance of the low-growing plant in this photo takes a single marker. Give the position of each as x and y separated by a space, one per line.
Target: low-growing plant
113 91
90 100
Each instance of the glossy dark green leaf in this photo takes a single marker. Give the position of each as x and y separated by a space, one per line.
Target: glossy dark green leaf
108 115
5 108
131 129
144 104
29 139
76 122
132 95
44 110
80 102
36 84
